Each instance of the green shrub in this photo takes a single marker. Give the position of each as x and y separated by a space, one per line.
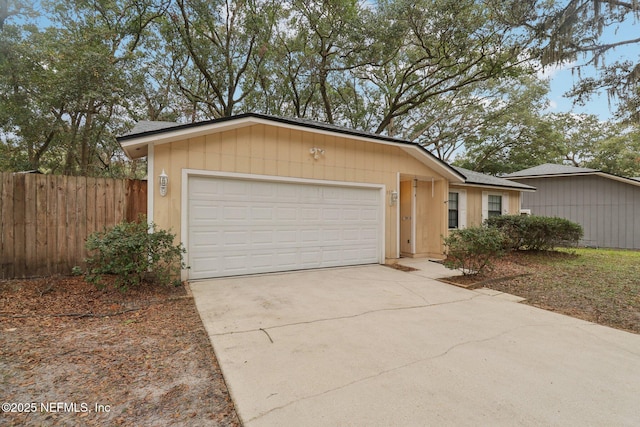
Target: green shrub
536 232
473 249
514 228
132 253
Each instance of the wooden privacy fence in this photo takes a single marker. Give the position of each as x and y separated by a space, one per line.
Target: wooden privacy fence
45 219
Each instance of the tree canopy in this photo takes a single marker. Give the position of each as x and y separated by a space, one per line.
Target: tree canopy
457 76
583 32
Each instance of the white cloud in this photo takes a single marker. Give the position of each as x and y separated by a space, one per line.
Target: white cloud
550 71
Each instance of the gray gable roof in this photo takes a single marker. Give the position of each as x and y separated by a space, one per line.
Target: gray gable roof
477 178
550 169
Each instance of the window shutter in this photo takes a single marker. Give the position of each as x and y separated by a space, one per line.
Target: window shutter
505 204
462 208
485 205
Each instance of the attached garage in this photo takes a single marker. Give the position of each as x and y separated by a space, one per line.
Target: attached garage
254 194
261 224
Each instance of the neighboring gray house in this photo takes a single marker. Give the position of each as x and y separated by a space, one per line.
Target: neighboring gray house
606 205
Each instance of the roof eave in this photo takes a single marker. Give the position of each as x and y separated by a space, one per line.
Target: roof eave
136 145
497 187
551 175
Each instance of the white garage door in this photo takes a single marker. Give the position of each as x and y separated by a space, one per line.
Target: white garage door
242 226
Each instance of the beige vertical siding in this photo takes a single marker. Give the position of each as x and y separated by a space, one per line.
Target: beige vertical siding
474 202
279 151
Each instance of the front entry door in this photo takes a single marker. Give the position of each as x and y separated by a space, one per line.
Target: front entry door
407 199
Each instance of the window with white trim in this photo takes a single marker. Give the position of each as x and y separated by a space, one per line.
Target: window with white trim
457 205
453 210
495 205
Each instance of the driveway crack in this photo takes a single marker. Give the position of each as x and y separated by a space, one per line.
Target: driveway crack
395 368
351 316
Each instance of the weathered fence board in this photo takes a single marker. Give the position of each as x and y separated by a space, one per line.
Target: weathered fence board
45 219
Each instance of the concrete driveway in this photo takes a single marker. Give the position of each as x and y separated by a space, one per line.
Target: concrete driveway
373 346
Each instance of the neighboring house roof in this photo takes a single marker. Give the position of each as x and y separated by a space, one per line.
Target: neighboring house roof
136 142
549 170
484 180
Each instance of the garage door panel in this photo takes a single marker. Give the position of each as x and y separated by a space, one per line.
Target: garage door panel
368 234
235 189
331 214
234 263
287 260
244 226
369 215
262 213
286 213
286 236
235 213
287 194
331 235
202 213
262 237
235 238
262 260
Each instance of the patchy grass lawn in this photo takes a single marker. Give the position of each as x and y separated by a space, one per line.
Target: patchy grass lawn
598 285
98 358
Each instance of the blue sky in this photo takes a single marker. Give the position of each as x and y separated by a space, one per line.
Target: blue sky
562 78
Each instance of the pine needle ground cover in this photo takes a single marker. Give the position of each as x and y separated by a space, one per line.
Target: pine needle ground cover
106 358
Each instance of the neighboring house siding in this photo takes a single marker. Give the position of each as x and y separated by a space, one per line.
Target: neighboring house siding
608 210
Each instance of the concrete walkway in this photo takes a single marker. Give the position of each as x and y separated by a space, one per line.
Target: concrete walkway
374 346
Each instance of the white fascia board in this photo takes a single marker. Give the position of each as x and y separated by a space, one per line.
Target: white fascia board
419 154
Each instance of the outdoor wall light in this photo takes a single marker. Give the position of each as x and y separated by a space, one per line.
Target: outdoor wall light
164 183
316 152
394 197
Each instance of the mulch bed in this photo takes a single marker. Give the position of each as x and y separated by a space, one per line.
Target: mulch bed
512 266
94 357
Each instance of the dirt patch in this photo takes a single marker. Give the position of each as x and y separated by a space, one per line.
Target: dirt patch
71 354
400 267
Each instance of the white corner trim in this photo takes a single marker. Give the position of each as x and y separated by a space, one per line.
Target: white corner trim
151 181
414 211
184 219
398 216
